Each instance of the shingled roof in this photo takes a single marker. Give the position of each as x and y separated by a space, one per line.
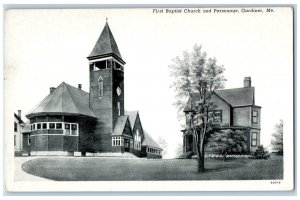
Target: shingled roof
66 100
18 118
237 96
149 141
234 97
120 125
26 128
106 45
132 117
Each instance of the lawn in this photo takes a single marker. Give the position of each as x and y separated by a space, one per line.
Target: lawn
112 169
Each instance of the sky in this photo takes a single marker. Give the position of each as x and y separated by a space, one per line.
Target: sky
43 48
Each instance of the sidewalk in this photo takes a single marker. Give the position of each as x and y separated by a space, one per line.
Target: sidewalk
20 175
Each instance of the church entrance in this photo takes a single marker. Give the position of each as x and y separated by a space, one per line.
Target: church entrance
126 145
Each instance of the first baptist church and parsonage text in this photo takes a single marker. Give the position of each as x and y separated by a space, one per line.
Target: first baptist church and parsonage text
206 10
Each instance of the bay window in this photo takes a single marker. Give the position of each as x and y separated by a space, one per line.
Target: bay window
117 141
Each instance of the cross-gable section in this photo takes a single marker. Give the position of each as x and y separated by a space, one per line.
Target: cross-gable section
122 127
135 122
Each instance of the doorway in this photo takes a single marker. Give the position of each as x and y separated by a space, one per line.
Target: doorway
126 145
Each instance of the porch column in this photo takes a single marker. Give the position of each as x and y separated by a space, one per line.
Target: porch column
184 143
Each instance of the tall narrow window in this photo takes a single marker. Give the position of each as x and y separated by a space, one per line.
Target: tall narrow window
137 142
119 109
254 139
100 87
254 116
16 127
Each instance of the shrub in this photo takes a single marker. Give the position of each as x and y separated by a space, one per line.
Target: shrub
226 142
231 156
261 153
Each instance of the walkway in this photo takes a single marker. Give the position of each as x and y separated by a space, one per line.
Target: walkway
20 175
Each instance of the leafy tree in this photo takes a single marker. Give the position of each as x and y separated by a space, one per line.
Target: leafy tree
195 73
261 153
163 144
277 142
228 141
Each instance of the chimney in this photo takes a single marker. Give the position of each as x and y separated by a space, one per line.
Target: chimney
52 89
247 81
19 113
79 86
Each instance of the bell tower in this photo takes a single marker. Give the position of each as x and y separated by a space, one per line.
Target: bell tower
106 97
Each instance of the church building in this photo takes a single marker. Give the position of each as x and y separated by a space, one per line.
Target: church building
70 120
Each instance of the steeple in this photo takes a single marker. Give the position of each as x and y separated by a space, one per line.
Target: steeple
106 46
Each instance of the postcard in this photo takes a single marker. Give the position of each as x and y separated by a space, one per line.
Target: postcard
149 99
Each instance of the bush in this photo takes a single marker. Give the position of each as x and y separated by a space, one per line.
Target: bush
261 153
226 142
231 156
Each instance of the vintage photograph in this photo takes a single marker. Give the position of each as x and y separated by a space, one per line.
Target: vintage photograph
154 97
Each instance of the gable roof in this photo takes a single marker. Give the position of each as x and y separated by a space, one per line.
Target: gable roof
149 141
120 125
132 117
234 97
106 45
237 96
18 118
65 99
26 128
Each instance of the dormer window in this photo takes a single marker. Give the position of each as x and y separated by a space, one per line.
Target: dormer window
100 87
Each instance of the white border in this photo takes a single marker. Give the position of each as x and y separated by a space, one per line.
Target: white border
149 185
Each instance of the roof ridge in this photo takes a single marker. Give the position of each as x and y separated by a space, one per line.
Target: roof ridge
69 85
52 93
19 118
46 98
108 32
236 88
151 139
125 122
71 98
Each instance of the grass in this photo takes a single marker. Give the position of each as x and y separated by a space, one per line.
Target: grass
106 169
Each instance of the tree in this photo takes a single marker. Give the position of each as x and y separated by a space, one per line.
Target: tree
277 142
261 153
163 144
194 73
228 141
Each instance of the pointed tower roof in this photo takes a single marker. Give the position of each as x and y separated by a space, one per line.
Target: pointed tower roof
64 100
106 46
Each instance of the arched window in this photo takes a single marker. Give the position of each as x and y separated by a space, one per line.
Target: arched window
100 86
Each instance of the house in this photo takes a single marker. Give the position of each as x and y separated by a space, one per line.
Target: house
18 126
233 109
70 120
